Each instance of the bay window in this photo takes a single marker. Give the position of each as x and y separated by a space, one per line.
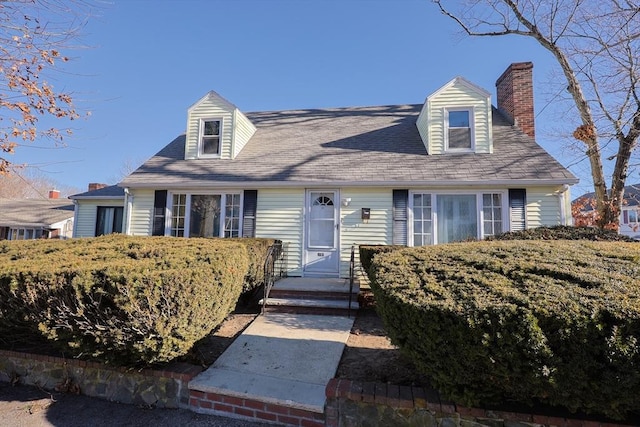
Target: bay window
205 215
444 218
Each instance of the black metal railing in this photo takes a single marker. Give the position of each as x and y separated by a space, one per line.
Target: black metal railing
275 255
352 273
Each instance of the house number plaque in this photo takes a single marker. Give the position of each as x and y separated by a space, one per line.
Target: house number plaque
320 253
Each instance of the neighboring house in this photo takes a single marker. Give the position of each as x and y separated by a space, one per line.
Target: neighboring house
322 180
98 211
629 222
23 219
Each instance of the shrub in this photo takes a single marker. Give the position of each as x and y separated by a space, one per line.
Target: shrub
367 252
124 300
528 321
563 232
257 250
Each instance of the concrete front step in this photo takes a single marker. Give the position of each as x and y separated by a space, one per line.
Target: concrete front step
311 306
311 295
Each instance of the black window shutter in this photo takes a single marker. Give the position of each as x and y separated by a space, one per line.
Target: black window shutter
518 209
400 208
249 213
159 212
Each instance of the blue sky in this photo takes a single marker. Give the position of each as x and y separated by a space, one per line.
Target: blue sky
147 61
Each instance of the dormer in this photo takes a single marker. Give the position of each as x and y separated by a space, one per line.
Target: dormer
456 119
216 129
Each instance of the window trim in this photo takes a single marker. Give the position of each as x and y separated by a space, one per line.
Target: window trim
434 210
14 233
187 213
472 120
201 136
113 218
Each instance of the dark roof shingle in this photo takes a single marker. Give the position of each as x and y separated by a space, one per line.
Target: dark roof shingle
360 146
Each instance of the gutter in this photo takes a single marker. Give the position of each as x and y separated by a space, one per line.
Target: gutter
513 183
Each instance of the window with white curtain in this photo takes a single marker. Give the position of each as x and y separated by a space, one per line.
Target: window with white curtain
444 218
205 215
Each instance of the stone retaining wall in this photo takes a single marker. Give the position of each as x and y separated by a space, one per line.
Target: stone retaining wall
353 403
160 388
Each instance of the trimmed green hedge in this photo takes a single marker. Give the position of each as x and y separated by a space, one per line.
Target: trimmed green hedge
563 232
257 250
556 322
367 252
124 300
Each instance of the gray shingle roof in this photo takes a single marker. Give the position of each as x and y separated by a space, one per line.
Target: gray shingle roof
34 212
361 146
110 192
631 196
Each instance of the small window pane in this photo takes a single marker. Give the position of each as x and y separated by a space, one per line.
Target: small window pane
422 221
210 145
232 215
460 138
178 214
212 128
459 119
492 212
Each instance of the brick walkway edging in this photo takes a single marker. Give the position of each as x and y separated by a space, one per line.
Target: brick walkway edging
352 402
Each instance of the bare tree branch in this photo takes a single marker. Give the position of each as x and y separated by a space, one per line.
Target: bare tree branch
596 43
33 35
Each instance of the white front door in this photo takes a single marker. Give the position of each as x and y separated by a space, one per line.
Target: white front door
321 254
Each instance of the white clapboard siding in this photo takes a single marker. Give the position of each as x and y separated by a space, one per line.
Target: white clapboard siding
141 215
211 106
456 94
243 131
279 215
543 207
355 230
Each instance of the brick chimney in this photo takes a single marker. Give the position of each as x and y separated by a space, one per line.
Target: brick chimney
96 186
515 96
54 194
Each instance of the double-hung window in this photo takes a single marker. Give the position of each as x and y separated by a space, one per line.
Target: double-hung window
109 220
210 137
444 218
459 129
205 215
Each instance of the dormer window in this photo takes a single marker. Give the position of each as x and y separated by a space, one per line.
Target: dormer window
459 126
210 132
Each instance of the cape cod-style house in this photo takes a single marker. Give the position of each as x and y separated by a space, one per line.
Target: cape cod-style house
322 180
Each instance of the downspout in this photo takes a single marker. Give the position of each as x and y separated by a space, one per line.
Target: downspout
128 202
74 233
562 200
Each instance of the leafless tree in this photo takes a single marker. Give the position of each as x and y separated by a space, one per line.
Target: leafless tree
596 43
28 183
33 35
126 168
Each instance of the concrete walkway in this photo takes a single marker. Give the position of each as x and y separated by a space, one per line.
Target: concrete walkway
285 359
